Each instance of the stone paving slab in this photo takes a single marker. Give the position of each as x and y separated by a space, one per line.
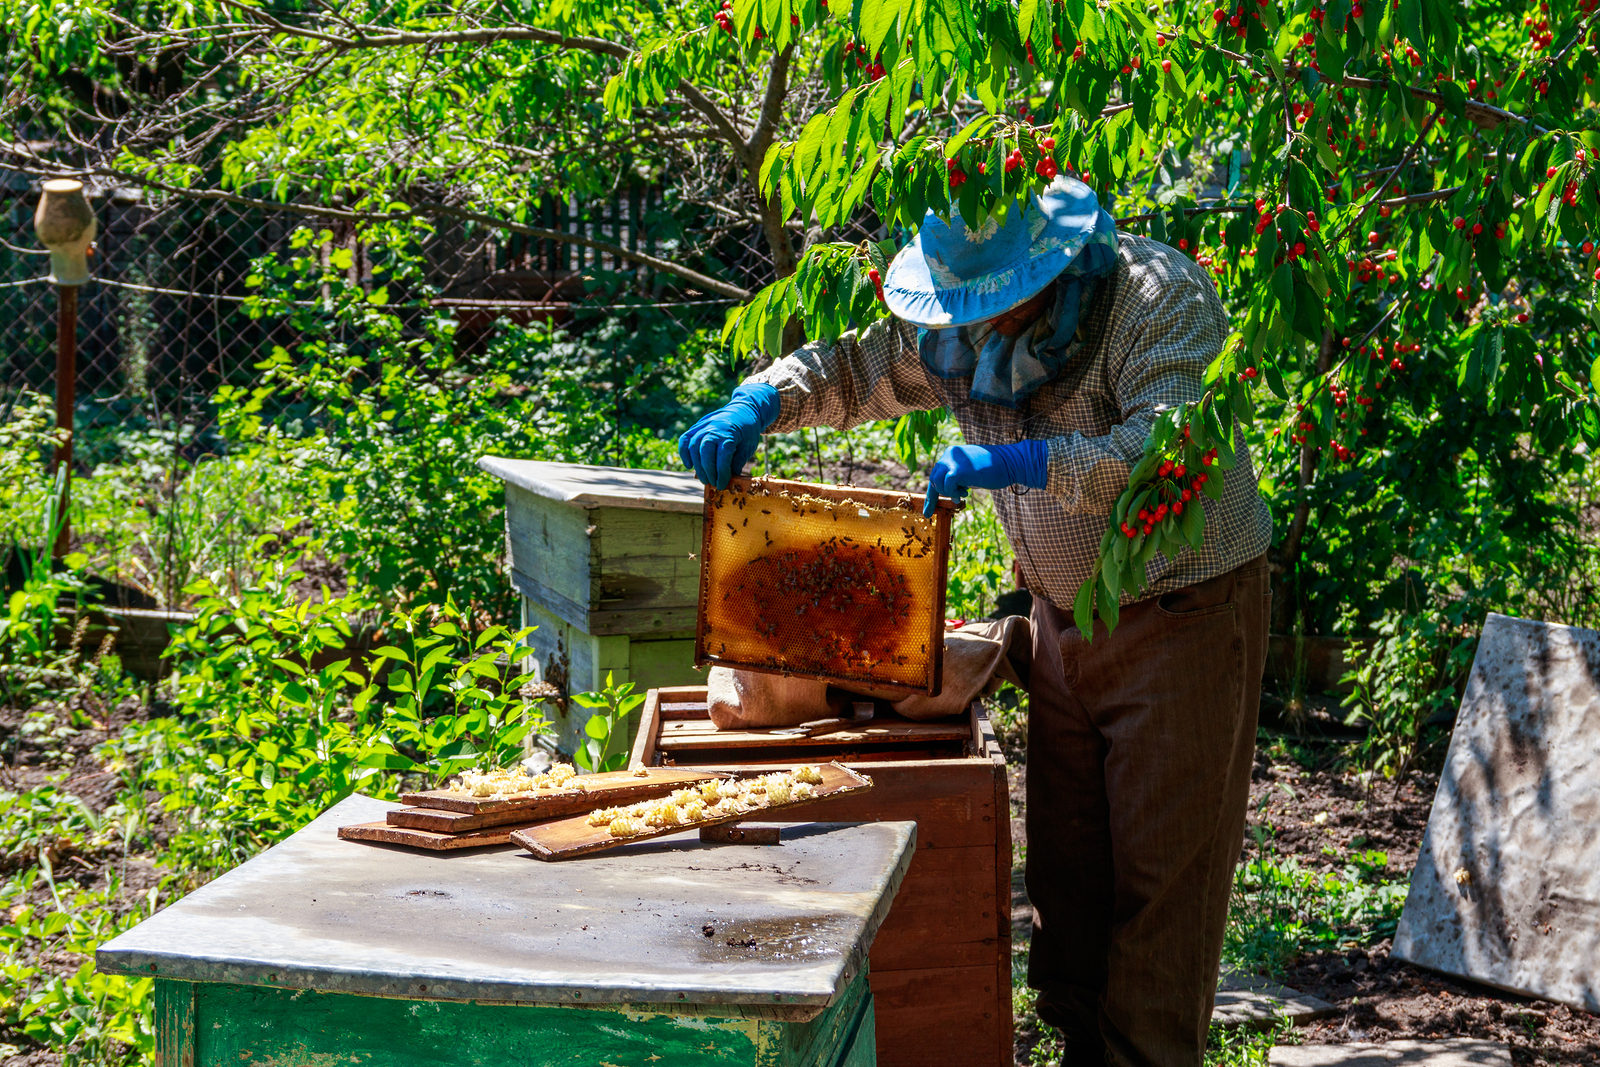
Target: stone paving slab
1460 1052
1506 889
1249 1000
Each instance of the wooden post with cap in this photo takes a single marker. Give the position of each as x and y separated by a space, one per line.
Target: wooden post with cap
65 224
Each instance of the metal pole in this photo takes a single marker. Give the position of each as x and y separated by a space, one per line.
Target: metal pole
66 390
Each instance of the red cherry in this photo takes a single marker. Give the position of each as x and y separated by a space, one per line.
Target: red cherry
1458 222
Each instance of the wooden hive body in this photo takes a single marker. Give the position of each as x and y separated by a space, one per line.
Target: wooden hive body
605 562
941 963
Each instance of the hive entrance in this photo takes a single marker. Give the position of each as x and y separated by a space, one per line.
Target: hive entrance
826 582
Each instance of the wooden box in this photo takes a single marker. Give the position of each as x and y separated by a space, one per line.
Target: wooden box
941 963
606 563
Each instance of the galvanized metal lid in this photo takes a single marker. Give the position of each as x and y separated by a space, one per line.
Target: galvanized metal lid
772 929
600 487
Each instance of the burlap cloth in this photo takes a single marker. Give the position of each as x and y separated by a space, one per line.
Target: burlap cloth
978 658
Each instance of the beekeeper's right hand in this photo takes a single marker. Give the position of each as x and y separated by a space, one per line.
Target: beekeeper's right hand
723 442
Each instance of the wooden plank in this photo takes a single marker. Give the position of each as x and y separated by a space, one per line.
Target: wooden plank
654 661
740 834
383 833
174 1023
562 607
761 760
561 839
951 801
605 622
690 735
592 791
644 741
944 914
685 710
646 558
990 748
939 1017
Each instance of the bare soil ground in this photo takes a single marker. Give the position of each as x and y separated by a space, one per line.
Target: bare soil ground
1310 810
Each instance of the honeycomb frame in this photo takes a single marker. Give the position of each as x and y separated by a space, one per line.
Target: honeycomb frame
862 607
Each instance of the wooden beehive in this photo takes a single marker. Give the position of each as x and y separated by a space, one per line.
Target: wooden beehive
606 563
941 963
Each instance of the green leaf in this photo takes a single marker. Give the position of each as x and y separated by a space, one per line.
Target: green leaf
1027 11
1194 524
1083 609
1594 375
976 128
1455 98
1107 598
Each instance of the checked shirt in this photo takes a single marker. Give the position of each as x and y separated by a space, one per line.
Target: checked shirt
1155 325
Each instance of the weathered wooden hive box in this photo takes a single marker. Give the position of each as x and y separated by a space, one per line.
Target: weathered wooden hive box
605 561
941 963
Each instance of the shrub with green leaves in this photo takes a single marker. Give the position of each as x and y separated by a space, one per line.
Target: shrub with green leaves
1406 679
92 1019
606 746
1280 909
281 714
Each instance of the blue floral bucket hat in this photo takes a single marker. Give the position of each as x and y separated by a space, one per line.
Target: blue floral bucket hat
953 275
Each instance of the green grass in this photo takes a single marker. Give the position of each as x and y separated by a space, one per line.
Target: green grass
1280 910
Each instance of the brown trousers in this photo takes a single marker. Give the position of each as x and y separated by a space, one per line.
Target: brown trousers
1140 747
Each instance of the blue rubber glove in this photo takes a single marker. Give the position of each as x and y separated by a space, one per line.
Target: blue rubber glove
720 444
964 467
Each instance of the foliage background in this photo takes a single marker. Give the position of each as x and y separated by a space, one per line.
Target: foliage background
1396 202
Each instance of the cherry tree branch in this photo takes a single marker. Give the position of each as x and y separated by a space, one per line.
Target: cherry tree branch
361 39
1405 161
666 266
1486 116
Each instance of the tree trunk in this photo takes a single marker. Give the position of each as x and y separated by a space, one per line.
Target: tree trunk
1288 609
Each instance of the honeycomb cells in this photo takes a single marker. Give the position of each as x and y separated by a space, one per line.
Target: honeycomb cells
828 588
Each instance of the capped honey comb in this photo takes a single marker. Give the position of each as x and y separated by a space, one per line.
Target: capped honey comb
836 583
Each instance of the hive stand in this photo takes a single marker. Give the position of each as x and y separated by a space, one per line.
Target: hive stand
322 951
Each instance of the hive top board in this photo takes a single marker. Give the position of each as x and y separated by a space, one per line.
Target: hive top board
583 486
790 924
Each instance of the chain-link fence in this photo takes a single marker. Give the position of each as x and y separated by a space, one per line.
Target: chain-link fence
164 324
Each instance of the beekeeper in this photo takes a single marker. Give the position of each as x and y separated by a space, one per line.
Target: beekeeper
1055 342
